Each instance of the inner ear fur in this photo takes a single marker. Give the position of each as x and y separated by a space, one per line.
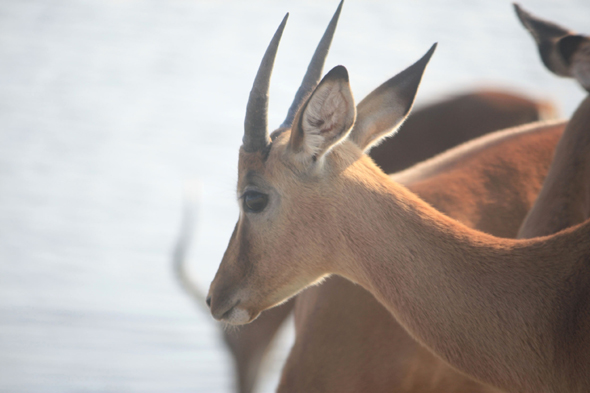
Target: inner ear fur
326 117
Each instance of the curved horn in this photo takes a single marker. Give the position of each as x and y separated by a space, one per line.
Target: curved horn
314 69
256 122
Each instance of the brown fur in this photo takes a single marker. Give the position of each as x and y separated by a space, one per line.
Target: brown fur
346 341
494 308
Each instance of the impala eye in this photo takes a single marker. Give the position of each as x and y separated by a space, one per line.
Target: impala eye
255 201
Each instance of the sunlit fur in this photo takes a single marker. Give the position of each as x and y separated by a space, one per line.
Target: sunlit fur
346 341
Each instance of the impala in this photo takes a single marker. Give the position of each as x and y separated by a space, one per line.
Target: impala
511 313
445 123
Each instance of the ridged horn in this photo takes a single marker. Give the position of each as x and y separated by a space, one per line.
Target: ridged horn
315 68
256 122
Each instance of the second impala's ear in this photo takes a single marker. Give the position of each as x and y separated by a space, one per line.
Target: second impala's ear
547 35
563 52
325 118
557 45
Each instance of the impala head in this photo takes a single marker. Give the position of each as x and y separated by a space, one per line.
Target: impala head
563 52
289 182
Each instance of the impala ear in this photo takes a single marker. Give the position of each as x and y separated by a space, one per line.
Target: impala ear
325 118
382 112
547 35
563 52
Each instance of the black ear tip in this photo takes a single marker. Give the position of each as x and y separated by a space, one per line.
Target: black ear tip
521 14
519 10
338 72
432 49
426 58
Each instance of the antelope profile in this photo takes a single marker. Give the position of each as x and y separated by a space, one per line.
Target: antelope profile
445 123
249 343
366 331
510 313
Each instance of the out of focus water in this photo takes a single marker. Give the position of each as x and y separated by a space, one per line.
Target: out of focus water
108 108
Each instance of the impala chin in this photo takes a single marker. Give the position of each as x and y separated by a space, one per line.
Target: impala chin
237 316
233 314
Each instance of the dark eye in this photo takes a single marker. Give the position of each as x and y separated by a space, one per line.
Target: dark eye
255 201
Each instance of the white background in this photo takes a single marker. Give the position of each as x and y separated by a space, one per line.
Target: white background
109 107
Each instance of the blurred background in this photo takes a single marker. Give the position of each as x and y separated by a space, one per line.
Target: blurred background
109 108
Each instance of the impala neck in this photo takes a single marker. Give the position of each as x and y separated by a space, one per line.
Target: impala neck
488 306
566 189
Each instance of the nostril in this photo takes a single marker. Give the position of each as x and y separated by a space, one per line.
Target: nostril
208 301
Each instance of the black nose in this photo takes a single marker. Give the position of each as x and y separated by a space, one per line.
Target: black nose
208 301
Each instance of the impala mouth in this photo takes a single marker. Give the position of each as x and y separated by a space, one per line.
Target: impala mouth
221 313
232 315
